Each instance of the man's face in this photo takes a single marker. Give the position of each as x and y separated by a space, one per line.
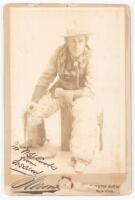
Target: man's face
76 45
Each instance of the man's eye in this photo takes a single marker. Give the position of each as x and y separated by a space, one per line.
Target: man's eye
80 41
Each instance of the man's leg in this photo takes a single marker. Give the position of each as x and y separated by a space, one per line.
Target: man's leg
83 135
34 121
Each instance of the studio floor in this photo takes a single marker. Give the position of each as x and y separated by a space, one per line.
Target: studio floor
60 161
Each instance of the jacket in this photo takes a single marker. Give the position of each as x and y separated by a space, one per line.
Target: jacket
73 74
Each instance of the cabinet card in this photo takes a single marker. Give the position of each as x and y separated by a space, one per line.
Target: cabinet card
67 99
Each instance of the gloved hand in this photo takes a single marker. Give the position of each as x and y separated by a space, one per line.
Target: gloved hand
64 95
31 107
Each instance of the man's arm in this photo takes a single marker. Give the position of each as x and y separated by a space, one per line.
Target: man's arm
71 95
38 93
88 90
46 78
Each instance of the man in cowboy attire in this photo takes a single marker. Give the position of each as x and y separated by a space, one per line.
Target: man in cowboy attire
71 63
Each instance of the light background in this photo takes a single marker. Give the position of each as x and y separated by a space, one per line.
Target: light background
35 33
132 5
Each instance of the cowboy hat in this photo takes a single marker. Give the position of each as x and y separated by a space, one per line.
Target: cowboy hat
75 29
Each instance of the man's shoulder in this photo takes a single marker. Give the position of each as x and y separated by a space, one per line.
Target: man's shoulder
61 49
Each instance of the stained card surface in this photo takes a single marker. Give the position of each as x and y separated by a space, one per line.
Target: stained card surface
67 99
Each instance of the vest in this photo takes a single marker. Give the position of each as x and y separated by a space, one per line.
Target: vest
72 72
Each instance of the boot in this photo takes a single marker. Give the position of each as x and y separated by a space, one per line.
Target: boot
35 135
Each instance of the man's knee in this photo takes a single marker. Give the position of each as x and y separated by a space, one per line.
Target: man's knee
84 104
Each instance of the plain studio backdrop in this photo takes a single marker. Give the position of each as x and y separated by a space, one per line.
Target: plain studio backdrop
34 35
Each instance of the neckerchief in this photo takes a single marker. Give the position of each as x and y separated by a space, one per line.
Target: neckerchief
67 65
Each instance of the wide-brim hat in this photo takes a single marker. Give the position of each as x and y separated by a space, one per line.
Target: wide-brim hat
75 30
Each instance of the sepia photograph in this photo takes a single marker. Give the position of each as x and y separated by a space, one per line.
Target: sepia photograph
67 99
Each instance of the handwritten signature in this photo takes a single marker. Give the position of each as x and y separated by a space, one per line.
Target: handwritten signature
39 184
27 162
33 184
